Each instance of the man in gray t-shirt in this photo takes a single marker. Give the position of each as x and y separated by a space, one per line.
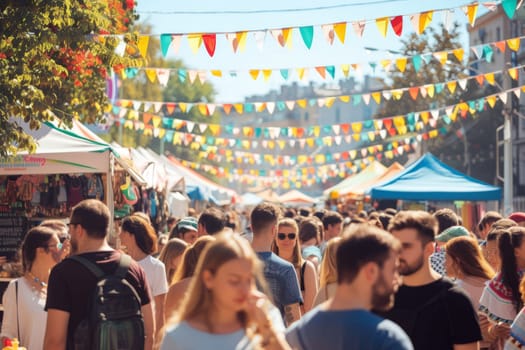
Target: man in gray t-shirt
367 273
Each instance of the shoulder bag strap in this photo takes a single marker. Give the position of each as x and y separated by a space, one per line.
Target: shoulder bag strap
93 268
302 275
17 313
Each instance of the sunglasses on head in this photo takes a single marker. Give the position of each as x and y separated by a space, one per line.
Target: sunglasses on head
282 236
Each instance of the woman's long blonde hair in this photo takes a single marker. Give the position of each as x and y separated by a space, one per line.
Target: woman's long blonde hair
191 257
297 258
173 248
198 299
328 272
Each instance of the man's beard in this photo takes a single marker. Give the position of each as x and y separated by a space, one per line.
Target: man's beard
406 269
382 295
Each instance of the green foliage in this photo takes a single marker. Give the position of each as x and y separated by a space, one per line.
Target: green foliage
53 64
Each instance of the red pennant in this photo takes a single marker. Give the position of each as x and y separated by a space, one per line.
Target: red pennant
227 107
345 155
397 25
170 107
387 123
413 92
379 156
425 136
345 128
392 132
300 132
210 41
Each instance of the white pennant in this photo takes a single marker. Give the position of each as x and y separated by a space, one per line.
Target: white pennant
414 19
192 74
255 143
203 127
232 142
321 102
435 113
137 105
517 92
302 142
478 51
382 133
379 123
348 139
260 37
157 106
291 142
270 106
366 98
419 137
503 97
387 94
336 128
400 150
202 76
147 106
189 126
236 131
338 140
449 110
423 91
120 50
462 83
432 123
163 75
448 19
328 31
290 104
211 108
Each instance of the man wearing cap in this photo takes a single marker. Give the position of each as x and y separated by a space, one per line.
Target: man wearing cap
518 217
186 229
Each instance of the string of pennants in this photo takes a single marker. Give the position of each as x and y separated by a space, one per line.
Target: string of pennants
482 51
169 129
399 125
209 109
283 36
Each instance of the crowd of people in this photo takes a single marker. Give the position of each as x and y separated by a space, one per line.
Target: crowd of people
284 279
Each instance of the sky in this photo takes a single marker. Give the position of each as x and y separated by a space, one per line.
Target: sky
202 16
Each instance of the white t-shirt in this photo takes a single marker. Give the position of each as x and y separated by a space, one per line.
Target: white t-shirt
30 312
155 274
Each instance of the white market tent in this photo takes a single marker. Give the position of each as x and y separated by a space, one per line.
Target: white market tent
61 151
295 198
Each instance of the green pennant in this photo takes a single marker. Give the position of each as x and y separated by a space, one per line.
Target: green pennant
331 71
357 99
165 42
284 73
509 6
488 53
416 61
307 33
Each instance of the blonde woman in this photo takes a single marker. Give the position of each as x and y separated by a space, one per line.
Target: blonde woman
171 255
328 275
183 275
286 245
223 309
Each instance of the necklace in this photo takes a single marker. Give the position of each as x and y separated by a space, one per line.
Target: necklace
37 280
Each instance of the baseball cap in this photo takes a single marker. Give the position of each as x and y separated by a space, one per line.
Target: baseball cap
452 232
517 217
188 223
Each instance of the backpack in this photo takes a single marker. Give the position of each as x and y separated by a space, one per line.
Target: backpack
114 318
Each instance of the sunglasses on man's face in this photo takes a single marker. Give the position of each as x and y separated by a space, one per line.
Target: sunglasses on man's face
282 236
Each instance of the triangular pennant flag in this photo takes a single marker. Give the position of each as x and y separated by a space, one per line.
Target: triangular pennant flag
189 126
490 78
165 41
142 44
430 90
423 91
463 83
386 64
322 71
290 104
345 68
480 79
401 64
425 18
451 85
359 28
210 42
470 12
270 106
307 33
302 73
266 74
211 108
500 45
377 97
163 76
416 61
340 31
382 25
157 106
328 31
413 91
175 42
366 98
192 74
195 42
344 98
503 97
442 57
448 19
151 73
509 6
459 53
488 52
414 20
240 38
284 73
331 71
254 73
227 107
260 36
513 73
514 44
203 127
397 25
517 92
287 37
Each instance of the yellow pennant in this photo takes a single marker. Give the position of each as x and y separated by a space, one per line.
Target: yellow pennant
329 101
142 44
195 42
302 103
317 130
267 74
443 57
397 94
356 137
459 53
352 154
346 69
385 64
431 90
401 64
451 85
425 18
215 129
357 127
382 25
340 31
310 142
513 73
514 44
254 73
433 133
151 74
471 13
282 144
399 121
241 40
239 107
345 98
371 135
377 97
490 78
300 73
183 106
202 109
424 117
216 73
491 100
287 36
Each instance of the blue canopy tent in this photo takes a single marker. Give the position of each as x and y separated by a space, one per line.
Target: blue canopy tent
430 179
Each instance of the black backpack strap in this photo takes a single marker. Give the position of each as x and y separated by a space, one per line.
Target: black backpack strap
122 270
93 268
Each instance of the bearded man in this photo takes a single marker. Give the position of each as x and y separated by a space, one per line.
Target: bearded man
367 271
434 312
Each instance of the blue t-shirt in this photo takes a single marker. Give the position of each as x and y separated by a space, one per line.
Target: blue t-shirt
346 329
282 280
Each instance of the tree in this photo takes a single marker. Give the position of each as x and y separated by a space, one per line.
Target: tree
54 62
470 142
